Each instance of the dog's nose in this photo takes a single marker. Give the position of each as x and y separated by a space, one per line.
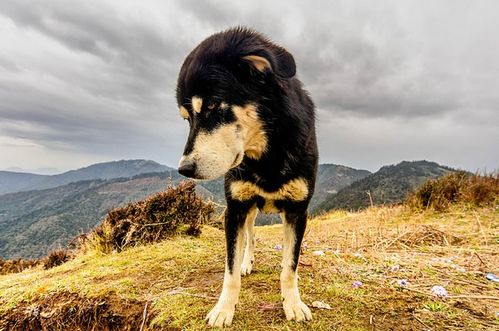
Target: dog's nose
188 169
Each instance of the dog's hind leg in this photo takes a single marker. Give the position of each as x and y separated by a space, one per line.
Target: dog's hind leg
223 312
249 256
294 228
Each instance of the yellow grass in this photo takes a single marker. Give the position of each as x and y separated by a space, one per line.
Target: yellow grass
177 281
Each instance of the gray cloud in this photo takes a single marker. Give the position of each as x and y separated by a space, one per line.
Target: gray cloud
95 80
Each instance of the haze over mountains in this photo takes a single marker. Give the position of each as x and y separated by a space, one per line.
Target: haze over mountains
58 208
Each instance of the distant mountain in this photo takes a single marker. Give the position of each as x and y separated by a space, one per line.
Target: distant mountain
389 185
14 182
17 181
333 177
38 171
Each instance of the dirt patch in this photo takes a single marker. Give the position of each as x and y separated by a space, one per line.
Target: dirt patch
70 311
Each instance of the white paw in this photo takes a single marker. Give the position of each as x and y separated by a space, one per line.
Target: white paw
246 268
220 316
296 311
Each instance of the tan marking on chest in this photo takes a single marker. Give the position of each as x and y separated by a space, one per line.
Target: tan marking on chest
294 190
269 207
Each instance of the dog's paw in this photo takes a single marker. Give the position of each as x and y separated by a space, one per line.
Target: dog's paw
296 311
246 268
220 316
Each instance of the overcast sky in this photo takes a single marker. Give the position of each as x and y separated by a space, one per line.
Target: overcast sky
92 81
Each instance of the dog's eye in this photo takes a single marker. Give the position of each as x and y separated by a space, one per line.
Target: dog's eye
212 105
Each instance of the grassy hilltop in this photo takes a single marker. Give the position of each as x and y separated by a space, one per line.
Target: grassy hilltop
173 284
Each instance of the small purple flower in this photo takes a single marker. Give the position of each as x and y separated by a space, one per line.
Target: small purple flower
402 283
278 247
357 284
439 291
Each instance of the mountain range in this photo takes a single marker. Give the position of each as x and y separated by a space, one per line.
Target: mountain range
44 218
18 181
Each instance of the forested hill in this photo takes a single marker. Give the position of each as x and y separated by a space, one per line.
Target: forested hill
388 185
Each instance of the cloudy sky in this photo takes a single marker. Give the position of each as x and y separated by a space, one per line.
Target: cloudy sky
91 81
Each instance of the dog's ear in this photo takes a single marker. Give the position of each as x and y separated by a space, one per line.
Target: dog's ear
273 58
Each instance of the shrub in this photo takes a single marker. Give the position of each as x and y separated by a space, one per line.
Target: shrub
16 265
56 258
456 187
176 210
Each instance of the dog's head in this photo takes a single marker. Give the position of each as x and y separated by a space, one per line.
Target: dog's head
220 88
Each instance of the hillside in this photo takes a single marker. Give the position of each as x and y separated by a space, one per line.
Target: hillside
15 182
333 177
393 257
34 222
389 185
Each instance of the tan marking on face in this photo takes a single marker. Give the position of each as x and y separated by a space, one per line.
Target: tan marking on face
294 190
259 62
216 152
255 139
197 104
184 113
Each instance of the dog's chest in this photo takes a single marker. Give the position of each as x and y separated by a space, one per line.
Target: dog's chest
294 190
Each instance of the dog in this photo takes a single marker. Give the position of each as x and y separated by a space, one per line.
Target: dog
250 120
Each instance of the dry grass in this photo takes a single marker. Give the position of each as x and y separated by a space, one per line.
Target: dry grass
457 187
173 284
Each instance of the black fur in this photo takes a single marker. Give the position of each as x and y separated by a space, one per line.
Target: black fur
217 71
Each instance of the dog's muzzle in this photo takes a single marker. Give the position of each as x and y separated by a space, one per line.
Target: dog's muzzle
187 168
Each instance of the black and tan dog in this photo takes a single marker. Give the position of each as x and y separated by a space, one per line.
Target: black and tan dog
251 121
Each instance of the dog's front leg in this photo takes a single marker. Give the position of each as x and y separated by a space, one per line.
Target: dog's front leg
223 312
248 256
294 227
